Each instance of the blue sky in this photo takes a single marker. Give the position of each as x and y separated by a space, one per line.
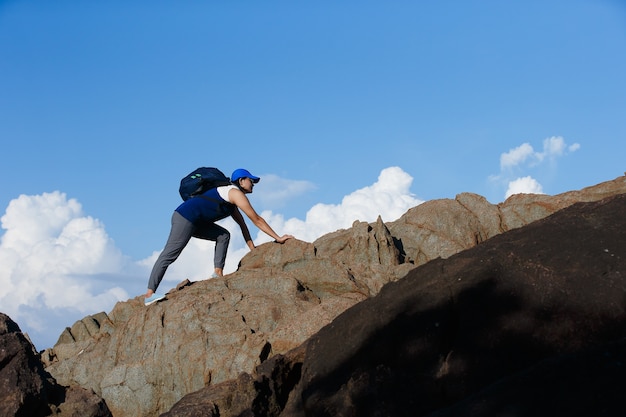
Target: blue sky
104 106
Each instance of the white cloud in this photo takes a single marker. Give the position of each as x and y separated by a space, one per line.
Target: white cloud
51 258
574 147
58 265
389 197
525 185
274 191
524 158
516 156
553 147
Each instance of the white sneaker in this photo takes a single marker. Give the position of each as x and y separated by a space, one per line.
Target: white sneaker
153 299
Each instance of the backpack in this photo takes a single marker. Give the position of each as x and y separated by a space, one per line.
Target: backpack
201 180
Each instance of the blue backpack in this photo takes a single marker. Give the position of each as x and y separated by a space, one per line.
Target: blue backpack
201 180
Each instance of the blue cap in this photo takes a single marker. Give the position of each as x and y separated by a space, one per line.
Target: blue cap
243 173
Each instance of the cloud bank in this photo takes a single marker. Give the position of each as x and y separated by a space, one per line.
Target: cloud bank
58 264
55 262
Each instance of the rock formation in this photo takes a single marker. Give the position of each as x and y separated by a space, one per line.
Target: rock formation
143 360
29 391
530 323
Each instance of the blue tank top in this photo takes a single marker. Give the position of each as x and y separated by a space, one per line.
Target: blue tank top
206 208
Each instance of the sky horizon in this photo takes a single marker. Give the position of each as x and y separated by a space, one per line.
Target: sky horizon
345 110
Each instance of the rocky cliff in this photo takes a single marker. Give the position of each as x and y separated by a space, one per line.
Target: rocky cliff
27 390
143 360
531 323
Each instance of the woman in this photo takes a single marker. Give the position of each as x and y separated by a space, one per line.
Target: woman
197 216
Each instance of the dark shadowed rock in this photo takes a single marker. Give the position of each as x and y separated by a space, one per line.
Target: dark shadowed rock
23 384
456 326
247 396
26 390
589 383
143 360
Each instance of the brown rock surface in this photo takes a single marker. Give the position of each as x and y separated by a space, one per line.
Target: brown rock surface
531 323
143 360
26 390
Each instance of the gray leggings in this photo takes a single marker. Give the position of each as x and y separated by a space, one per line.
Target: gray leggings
183 230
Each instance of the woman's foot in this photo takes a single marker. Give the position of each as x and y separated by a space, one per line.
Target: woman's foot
153 298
